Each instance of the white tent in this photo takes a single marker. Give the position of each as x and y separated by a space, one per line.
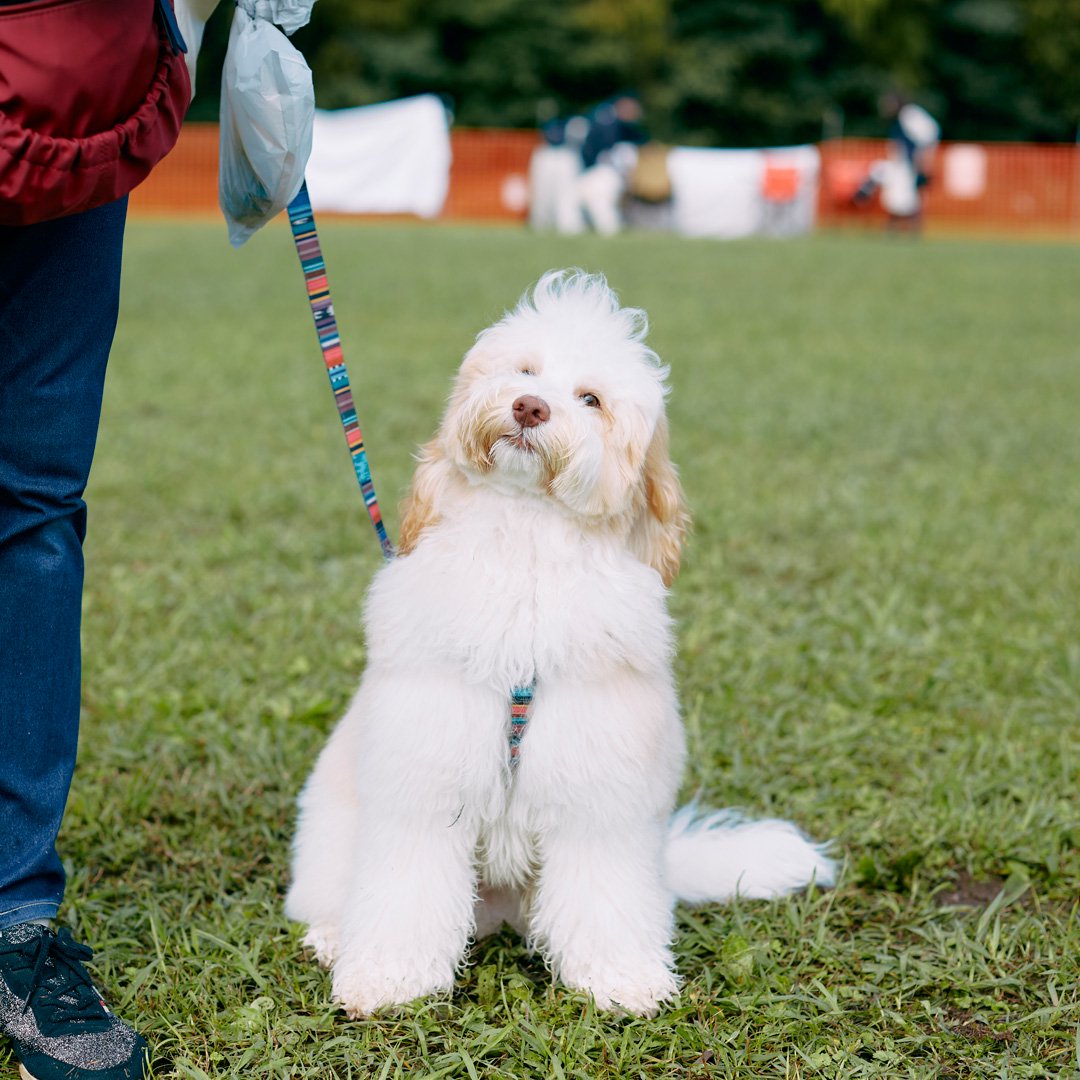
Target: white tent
732 193
392 158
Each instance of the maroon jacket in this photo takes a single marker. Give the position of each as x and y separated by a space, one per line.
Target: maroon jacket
92 95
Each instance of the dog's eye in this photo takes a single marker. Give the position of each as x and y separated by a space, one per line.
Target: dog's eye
591 400
526 371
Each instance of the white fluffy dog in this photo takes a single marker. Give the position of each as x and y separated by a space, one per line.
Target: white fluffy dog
543 527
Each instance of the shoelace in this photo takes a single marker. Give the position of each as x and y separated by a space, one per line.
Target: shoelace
66 990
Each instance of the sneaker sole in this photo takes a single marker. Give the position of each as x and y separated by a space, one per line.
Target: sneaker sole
25 1075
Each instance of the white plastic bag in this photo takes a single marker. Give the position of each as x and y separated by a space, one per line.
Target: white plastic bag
267 113
290 15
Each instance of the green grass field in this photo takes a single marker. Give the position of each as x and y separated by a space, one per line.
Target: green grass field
878 623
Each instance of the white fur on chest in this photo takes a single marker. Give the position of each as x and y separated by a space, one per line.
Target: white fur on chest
505 589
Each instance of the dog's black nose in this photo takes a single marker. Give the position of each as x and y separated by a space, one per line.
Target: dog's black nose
529 410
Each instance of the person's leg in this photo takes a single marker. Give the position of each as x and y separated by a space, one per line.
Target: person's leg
59 292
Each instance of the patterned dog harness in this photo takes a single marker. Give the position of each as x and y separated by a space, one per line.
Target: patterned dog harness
313 265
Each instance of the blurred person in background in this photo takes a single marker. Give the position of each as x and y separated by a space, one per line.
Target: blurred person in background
608 155
613 123
554 170
579 176
901 177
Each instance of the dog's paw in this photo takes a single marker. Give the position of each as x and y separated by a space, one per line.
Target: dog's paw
361 992
324 942
638 993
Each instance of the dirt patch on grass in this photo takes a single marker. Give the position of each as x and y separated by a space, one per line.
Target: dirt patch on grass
965 891
964 1023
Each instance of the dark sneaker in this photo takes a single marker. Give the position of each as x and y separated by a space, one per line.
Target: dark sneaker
53 1015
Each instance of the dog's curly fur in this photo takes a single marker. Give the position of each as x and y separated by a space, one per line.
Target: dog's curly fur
544 524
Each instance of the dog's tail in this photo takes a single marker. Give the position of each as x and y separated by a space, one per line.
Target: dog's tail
719 854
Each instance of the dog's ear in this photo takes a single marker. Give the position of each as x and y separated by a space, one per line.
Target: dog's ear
660 528
420 510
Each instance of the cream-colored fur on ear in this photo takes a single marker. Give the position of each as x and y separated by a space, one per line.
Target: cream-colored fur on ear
420 510
657 534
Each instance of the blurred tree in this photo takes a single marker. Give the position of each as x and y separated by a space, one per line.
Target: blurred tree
749 74
631 39
1052 52
720 72
983 77
896 37
492 59
988 69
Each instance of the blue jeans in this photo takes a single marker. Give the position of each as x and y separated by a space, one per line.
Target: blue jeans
59 293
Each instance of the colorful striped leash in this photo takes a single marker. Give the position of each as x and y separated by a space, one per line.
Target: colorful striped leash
306 239
313 265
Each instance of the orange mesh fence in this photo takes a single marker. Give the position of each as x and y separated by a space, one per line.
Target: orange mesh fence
488 175
989 186
1017 187
185 182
